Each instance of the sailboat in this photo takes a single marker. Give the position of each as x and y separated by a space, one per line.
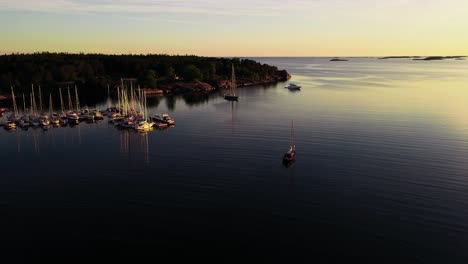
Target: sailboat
14 117
143 123
54 117
291 154
232 94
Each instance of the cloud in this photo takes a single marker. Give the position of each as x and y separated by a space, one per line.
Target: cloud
195 7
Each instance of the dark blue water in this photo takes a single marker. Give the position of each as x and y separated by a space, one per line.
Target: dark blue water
381 172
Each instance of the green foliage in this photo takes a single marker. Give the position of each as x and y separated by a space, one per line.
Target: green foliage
170 73
148 79
96 71
191 73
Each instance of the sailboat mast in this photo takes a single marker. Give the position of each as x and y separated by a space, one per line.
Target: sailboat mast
61 99
15 108
50 104
70 106
233 78
33 100
118 99
24 105
40 99
145 107
132 98
31 110
108 97
77 100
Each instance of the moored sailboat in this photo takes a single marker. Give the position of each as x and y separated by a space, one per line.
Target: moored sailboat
290 155
232 96
54 117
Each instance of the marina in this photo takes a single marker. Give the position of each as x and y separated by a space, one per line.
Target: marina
130 113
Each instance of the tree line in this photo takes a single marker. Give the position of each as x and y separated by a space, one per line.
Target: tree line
94 72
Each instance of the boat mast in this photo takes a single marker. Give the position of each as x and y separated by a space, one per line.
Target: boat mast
24 105
40 99
145 107
61 99
77 100
118 100
233 81
31 110
108 97
132 98
33 100
70 105
15 108
50 104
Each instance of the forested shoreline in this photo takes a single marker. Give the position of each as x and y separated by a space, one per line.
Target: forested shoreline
95 72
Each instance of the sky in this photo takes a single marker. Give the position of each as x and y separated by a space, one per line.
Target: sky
224 28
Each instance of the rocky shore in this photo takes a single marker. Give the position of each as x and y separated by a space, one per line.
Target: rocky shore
198 86
186 87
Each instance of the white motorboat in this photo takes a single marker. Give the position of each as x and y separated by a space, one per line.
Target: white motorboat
293 86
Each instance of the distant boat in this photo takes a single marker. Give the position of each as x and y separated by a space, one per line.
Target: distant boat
293 86
291 154
232 93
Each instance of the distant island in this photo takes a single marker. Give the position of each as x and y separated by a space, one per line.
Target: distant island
338 59
399 57
93 73
442 58
429 58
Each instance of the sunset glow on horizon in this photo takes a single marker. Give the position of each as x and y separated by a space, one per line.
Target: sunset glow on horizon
236 28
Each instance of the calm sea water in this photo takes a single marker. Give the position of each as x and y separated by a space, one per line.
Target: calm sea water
381 172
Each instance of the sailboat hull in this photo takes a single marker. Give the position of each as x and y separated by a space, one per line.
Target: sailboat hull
289 156
231 97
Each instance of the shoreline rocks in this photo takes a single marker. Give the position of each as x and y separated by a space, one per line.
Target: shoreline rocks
203 87
186 87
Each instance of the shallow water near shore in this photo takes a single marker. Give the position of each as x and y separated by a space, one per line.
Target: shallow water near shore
381 171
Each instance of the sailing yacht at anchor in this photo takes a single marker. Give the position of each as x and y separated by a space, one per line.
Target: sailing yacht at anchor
291 154
232 94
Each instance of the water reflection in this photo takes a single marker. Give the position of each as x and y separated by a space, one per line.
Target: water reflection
170 102
192 99
37 138
288 164
36 144
153 101
233 111
294 91
134 145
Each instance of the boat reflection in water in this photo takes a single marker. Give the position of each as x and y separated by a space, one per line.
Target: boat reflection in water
290 156
293 87
134 145
288 163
